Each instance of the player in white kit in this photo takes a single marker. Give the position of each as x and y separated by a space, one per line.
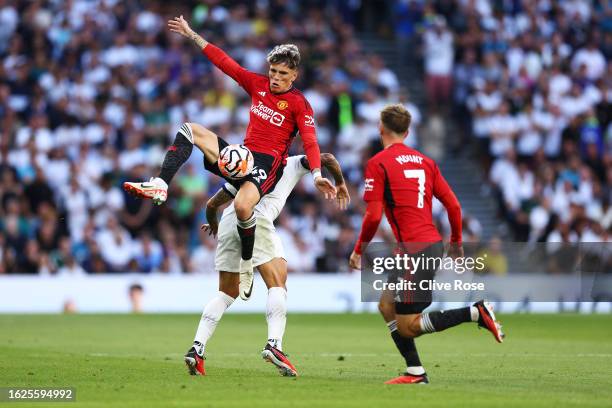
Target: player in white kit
268 258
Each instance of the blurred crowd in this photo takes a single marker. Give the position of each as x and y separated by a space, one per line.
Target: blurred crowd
92 93
531 85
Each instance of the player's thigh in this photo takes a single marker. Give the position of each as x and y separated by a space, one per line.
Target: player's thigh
411 302
246 199
227 254
205 140
229 282
274 273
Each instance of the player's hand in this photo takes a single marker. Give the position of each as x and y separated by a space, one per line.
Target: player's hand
179 25
455 250
326 187
343 198
355 261
212 229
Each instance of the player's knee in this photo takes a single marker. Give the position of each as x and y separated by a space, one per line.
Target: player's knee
406 331
276 280
243 209
409 327
387 310
229 284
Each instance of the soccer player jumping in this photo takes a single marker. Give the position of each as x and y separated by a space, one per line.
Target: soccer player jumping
403 181
278 112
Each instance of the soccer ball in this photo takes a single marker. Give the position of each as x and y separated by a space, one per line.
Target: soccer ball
235 161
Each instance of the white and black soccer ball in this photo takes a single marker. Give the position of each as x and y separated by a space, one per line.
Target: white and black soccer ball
235 161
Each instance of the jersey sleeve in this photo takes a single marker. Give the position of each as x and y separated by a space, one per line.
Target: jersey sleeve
374 183
371 220
443 192
306 127
225 63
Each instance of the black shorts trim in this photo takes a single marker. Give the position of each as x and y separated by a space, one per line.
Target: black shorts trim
410 308
267 170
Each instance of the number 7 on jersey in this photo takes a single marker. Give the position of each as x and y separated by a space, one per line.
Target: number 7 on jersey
418 174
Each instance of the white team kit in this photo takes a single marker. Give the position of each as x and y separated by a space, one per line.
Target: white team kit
227 259
267 243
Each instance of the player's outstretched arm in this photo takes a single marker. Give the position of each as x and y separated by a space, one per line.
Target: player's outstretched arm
343 198
217 201
181 26
216 55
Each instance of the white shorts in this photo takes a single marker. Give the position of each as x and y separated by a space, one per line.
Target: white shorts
228 254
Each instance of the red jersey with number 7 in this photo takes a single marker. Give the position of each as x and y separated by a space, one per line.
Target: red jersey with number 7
275 119
406 181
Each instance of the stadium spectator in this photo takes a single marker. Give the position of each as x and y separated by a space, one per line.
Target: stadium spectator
135 295
439 57
494 260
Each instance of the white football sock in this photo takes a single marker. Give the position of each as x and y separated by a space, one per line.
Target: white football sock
213 311
474 313
276 315
417 370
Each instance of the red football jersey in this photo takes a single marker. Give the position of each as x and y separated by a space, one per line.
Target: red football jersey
406 181
275 119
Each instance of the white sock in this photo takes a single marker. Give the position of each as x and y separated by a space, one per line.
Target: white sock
475 314
276 316
213 311
415 370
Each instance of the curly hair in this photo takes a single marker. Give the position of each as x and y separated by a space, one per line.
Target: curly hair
287 54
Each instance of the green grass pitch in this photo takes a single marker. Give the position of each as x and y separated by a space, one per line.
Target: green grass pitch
343 360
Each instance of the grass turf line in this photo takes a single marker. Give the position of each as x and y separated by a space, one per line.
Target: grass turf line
343 360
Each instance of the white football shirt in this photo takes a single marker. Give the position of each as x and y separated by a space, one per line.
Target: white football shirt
271 205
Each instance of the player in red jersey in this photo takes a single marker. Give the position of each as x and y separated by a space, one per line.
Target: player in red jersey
278 113
403 182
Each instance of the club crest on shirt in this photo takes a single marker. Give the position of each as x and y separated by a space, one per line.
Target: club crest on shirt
369 184
282 105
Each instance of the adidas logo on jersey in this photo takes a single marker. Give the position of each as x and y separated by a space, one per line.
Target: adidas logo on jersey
262 93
